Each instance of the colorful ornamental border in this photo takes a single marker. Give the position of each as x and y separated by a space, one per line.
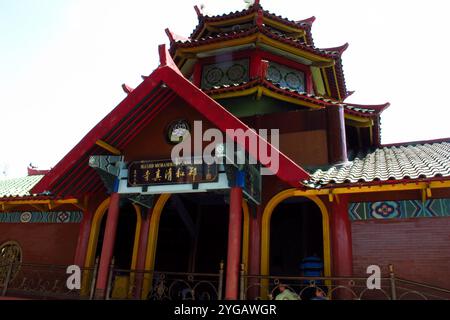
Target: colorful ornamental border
388 210
42 217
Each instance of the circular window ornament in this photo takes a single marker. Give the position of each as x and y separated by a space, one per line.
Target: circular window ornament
293 81
177 131
214 76
10 253
274 74
236 73
25 217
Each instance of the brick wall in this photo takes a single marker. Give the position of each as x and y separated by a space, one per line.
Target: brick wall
419 249
43 243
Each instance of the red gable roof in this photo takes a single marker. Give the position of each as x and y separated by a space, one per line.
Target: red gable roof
72 176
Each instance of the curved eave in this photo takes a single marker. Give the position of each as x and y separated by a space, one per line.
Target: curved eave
254 35
267 88
277 21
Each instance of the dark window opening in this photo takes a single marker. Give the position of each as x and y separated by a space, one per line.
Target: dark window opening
295 233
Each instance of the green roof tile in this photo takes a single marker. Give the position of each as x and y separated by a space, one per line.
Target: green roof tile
404 162
19 187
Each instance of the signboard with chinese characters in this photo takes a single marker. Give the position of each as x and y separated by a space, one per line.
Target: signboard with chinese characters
164 172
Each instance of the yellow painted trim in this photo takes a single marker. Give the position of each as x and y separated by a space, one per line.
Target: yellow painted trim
250 39
318 81
46 202
327 84
231 22
217 45
236 94
95 230
152 242
108 147
360 122
93 238
337 84
249 18
265 235
371 134
280 26
394 187
270 93
137 235
288 48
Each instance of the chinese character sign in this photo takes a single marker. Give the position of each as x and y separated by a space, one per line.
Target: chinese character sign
147 173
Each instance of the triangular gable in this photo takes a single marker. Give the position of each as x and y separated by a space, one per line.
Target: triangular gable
169 75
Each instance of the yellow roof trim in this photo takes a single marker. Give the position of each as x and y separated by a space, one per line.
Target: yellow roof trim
258 37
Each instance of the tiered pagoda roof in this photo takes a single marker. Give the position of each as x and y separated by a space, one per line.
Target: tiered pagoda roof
303 26
258 26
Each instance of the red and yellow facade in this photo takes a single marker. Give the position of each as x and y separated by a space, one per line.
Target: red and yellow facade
271 77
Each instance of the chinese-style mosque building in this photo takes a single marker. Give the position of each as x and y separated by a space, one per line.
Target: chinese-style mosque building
116 203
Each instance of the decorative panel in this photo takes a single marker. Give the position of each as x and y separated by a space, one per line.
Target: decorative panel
225 73
286 78
42 217
388 210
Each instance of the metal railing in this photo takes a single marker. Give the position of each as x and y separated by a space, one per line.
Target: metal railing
164 286
39 281
261 287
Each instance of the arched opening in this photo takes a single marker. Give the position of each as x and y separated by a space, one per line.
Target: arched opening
125 236
270 209
192 235
295 233
202 253
125 248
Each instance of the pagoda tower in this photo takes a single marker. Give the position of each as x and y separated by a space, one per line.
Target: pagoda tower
266 70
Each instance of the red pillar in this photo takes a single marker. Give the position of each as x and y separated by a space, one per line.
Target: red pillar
108 245
342 238
254 267
234 244
83 238
142 252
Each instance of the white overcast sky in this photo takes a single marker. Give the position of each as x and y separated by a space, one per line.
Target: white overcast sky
62 63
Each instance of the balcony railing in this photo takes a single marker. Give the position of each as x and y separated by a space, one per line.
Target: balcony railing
37 281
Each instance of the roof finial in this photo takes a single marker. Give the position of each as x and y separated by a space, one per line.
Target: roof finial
165 60
127 89
199 10
251 3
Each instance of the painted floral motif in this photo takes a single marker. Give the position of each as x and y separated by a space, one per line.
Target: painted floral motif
214 76
225 73
236 73
286 77
385 210
406 209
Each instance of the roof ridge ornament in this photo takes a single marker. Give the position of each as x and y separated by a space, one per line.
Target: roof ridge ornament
252 3
340 49
127 88
308 21
199 11
260 19
165 59
173 37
